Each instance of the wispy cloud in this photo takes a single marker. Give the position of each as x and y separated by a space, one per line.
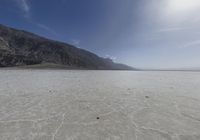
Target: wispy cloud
75 42
111 57
195 43
169 29
48 29
24 6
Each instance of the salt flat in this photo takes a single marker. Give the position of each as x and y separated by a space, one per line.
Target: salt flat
99 105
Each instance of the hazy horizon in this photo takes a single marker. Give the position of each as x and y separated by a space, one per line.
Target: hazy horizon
140 33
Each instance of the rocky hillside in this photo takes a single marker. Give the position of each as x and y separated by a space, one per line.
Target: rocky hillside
21 48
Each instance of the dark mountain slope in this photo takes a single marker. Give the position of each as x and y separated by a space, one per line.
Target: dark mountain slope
19 48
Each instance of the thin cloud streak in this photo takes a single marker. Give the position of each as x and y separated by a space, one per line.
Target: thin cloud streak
169 30
195 43
75 42
48 29
25 7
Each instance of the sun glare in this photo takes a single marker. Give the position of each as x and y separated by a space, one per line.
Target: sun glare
183 5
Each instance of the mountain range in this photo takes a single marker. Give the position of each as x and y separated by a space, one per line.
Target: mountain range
22 48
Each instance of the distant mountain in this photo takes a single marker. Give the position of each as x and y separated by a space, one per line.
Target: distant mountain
22 48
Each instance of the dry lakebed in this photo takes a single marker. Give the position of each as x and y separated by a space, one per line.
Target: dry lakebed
99 105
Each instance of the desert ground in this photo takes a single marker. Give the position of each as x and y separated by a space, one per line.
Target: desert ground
99 105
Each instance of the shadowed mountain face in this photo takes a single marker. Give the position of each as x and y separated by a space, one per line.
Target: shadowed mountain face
21 48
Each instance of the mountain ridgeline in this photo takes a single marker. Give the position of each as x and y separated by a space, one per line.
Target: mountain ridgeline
21 48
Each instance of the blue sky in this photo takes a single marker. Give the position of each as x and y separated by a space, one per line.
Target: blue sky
140 33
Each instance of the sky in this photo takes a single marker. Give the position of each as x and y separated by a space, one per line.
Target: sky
140 33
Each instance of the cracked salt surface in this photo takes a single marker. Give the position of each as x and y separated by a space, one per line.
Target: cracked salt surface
99 105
